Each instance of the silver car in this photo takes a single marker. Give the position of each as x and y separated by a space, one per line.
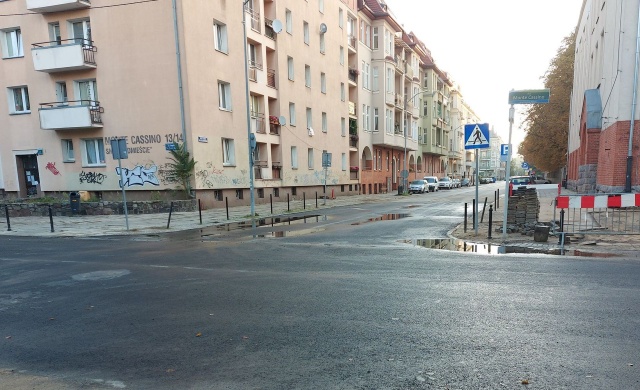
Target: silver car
445 183
418 186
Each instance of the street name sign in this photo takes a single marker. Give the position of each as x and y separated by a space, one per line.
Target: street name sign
529 96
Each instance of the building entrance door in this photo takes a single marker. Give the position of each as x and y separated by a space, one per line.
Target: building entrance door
28 174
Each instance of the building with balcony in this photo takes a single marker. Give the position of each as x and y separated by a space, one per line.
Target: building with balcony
78 74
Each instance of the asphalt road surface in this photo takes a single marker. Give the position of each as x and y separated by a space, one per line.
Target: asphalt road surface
338 300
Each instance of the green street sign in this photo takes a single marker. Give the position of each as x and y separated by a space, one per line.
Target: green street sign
529 96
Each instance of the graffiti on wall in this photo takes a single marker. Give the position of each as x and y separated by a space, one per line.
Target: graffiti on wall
138 176
92 177
51 167
313 178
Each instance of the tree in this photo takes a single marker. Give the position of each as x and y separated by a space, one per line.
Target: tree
547 125
181 168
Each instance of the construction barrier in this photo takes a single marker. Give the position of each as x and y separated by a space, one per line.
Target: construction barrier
600 214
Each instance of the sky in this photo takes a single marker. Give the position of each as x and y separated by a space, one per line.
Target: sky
490 47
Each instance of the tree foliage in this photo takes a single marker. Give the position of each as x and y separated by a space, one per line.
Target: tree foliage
181 167
547 125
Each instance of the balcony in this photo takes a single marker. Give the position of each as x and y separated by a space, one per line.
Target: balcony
257 123
353 75
399 100
254 67
271 78
268 29
63 55
75 114
352 108
351 41
254 19
353 140
274 125
45 6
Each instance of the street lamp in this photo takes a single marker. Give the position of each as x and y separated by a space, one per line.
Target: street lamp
251 140
405 173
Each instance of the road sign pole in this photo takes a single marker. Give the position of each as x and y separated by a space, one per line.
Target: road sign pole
507 173
124 195
475 212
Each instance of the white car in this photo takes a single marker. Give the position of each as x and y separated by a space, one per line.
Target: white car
418 186
433 183
445 183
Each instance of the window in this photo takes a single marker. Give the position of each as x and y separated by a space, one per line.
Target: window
309 118
239 194
344 161
321 6
220 37
342 92
292 114
375 119
19 100
324 122
307 76
12 43
365 76
343 127
290 68
389 121
217 195
341 55
88 92
67 151
322 44
310 158
323 82
340 18
93 152
375 85
81 32
390 80
224 96
61 92
305 29
288 21
294 157
228 152
375 38
54 33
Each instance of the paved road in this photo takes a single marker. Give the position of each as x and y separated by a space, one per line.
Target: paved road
345 304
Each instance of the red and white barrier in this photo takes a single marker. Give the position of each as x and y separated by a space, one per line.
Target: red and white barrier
597 201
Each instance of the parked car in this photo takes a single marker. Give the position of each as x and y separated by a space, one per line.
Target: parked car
455 183
418 186
433 183
486 180
445 182
465 182
516 182
541 180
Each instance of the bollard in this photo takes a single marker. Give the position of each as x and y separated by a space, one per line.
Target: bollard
288 209
170 211
490 220
483 208
271 202
200 211
495 198
304 200
560 241
465 217
6 213
226 202
473 213
498 199
51 219
316 199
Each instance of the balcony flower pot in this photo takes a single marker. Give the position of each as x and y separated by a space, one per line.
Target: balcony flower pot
354 71
353 137
354 169
274 120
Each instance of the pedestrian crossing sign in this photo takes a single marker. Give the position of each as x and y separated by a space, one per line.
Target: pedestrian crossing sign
476 136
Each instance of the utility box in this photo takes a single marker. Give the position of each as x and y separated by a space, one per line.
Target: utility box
74 202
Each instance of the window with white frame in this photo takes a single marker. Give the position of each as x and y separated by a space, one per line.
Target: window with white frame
294 157
290 73
19 100
228 152
12 43
389 42
322 44
224 95
343 127
81 32
93 152
375 119
342 92
389 121
220 37
375 38
305 30
310 158
54 33
67 151
288 21
340 18
390 80
375 84
366 76
307 76
87 90
325 125
323 82
62 96
292 114
366 117
309 118
344 161
341 55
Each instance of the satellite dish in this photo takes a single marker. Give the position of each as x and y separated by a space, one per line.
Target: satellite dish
282 120
323 28
276 26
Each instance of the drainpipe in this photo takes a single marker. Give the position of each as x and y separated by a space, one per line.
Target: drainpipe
179 63
627 184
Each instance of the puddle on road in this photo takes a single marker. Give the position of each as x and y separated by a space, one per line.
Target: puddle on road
457 245
384 217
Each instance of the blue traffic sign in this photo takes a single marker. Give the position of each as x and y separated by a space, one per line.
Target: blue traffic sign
504 149
525 165
476 136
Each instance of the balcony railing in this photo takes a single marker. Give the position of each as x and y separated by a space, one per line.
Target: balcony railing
254 19
253 70
274 129
73 114
44 6
257 123
268 29
63 55
353 76
352 108
399 100
351 40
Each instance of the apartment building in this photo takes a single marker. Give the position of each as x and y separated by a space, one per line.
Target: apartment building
322 77
603 139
